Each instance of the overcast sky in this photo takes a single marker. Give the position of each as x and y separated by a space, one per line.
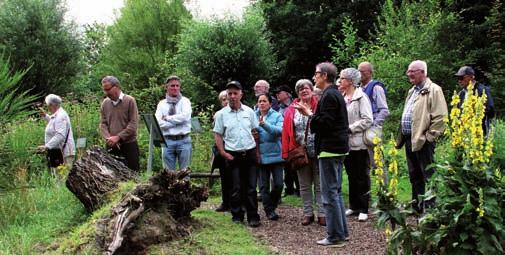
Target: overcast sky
102 11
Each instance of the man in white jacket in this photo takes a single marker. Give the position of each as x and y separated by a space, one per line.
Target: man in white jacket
174 116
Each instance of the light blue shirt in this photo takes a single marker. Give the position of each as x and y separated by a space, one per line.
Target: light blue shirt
235 127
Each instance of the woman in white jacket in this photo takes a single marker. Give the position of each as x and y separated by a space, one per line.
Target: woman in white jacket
359 114
59 140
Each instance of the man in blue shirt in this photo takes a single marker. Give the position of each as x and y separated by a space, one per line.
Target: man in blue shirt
234 127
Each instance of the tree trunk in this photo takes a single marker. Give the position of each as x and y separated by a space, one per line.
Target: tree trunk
96 174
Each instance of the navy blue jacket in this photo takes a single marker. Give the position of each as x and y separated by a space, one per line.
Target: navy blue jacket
489 114
330 123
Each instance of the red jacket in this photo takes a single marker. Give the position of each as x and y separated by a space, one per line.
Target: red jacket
288 130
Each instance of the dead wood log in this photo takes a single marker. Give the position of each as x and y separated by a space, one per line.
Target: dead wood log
151 213
96 174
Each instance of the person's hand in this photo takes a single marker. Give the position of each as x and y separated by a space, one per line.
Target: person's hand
112 141
42 113
303 109
227 156
41 149
262 121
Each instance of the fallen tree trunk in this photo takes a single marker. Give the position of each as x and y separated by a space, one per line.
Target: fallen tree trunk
96 174
152 213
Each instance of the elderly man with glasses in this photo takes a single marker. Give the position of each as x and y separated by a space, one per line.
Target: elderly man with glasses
421 124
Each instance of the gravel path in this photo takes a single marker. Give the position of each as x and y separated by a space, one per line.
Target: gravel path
288 236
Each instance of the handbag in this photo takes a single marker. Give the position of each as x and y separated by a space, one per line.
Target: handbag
54 157
370 134
298 157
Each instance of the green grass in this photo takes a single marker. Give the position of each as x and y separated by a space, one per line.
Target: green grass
37 216
217 235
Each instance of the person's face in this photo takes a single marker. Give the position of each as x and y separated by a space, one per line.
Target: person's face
260 88
305 93
282 96
345 82
366 73
234 96
52 108
415 74
319 78
263 103
464 80
110 90
173 88
224 101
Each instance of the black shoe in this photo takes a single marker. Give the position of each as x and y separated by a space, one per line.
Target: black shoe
254 223
297 193
272 215
222 208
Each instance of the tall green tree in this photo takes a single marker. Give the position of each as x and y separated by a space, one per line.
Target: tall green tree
214 52
138 41
34 34
303 30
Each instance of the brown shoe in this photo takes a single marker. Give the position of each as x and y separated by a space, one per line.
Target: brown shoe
321 221
307 220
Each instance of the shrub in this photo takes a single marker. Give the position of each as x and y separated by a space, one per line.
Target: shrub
36 36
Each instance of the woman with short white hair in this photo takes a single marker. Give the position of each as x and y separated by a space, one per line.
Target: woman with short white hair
360 118
59 140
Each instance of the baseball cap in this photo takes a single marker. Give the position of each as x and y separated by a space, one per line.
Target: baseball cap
465 70
234 84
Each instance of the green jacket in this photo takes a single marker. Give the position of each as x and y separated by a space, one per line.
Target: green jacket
430 109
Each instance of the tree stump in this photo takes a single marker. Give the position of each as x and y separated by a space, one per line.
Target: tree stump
96 174
152 213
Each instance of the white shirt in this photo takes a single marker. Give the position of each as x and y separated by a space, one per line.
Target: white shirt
119 99
177 124
56 131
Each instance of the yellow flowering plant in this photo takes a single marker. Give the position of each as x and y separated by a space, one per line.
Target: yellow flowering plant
468 216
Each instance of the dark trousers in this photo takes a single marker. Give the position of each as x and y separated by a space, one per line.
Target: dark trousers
291 180
271 197
129 152
357 166
244 180
417 163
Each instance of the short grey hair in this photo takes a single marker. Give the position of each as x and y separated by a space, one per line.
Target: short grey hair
53 99
301 82
353 75
422 65
330 69
111 79
222 94
267 85
173 77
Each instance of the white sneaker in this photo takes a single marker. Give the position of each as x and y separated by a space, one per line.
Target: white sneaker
327 243
363 217
349 212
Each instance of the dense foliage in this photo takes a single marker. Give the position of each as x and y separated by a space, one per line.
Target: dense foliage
140 39
303 30
215 52
35 36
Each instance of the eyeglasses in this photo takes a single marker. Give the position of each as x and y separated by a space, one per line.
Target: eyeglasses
317 72
413 71
460 78
344 78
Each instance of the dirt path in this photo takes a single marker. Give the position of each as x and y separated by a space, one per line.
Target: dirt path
288 236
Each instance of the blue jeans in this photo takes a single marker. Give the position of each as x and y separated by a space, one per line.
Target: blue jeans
179 150
271 197
330 170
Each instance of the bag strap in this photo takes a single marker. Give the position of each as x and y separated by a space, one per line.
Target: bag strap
66 139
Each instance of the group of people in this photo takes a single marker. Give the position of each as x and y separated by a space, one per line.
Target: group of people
329 118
